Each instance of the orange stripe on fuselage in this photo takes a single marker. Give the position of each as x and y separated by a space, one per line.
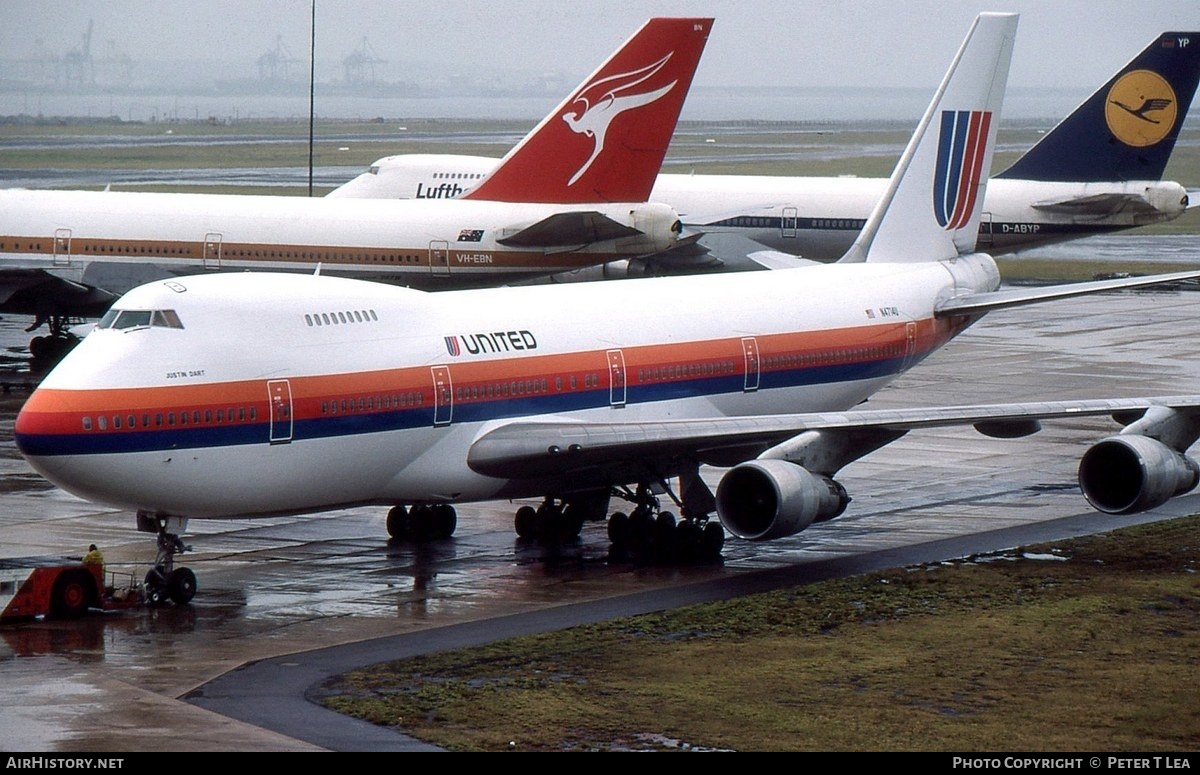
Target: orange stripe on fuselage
57 410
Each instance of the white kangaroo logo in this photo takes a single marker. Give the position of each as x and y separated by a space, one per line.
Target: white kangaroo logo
597 104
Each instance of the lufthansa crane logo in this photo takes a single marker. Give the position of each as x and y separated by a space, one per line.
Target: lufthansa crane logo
598 103
1141 108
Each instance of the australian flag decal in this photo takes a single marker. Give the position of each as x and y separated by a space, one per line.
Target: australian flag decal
470 235
452 345
960 153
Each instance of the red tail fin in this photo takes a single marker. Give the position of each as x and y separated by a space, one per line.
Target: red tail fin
607 141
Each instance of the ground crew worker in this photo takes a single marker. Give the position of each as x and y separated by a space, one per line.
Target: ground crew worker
93 557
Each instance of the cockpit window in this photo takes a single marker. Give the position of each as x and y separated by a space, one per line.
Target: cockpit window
165 318
107 319
124 319
132 318
373 169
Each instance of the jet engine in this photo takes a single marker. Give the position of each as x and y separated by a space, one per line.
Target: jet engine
659 225
613 270
763 499
1129 473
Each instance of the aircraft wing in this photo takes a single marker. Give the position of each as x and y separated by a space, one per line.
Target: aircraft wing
579 227
1193 195
979 303
534 449
31 291
1098 205
734 252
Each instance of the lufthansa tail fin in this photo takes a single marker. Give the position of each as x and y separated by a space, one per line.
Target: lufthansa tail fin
931 207
1127 129
607 141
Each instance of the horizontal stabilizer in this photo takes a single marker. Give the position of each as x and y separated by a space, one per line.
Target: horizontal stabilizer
572 228
774 259
1193 198
736 252
979 303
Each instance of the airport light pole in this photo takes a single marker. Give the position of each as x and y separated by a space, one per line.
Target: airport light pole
312 69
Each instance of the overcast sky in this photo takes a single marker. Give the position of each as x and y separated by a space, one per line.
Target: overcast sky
1062 43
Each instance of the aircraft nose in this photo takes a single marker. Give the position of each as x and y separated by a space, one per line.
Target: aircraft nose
36 421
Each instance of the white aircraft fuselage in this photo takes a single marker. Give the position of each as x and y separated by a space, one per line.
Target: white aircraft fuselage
819 217
77 235
365 393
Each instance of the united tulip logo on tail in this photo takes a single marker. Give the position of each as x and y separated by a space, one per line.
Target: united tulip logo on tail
598 103
961 150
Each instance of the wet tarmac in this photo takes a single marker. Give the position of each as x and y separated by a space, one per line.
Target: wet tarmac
231 671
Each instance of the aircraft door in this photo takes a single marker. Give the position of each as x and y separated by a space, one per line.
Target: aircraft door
279 395
62 247
788 223
443 395
439 258
212 250
750 355
616 378
910 343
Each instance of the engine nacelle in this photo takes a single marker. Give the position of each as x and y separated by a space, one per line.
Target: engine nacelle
659 225
1128 473
764 499
613 270
1168 198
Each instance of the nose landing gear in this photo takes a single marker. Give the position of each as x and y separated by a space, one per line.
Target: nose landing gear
164 581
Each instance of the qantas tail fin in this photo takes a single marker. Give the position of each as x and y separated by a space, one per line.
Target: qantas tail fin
1127 129
931 207
607 141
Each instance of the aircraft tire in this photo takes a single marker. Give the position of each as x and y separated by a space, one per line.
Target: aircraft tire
181 587
445 520
397 522
713 541
526 522
618 528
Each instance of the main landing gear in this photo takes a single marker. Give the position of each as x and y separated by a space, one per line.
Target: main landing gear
649 533
553 520
422 521
47 350
164 581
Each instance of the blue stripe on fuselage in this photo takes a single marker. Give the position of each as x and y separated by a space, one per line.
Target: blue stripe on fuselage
352 424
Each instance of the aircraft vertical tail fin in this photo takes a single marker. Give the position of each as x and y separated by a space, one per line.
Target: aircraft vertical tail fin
607 141
1127 129
931 207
